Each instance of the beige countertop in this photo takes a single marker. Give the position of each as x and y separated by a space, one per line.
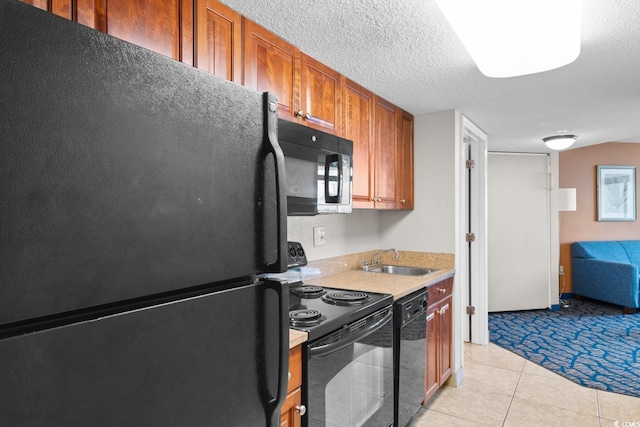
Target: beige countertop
296 338
395 284
346 272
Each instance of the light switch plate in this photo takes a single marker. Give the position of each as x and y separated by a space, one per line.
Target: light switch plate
318 236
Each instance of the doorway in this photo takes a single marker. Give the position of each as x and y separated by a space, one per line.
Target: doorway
519 231
473 233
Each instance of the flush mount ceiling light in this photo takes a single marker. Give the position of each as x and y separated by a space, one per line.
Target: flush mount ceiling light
559 142
508 38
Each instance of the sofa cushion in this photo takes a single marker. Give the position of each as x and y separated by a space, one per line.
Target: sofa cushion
607 250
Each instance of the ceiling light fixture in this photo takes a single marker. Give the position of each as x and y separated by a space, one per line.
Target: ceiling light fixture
508 38
559 142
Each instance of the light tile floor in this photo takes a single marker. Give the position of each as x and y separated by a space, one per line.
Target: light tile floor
503 389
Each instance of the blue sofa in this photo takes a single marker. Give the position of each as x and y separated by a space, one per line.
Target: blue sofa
607 271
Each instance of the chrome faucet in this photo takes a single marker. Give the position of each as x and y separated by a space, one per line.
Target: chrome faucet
377 254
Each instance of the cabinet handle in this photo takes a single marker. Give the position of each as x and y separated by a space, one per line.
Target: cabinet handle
302 409
301 113
403 201
441 290
289 377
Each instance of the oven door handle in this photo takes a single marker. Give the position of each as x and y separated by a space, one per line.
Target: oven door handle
323 350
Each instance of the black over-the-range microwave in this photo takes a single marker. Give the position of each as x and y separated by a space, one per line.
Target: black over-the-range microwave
318 169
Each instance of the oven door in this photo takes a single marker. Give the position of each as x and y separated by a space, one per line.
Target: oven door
349 375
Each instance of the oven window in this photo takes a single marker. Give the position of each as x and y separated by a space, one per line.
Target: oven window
353 386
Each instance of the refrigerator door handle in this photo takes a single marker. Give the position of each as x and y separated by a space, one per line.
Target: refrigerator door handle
273 408
275 258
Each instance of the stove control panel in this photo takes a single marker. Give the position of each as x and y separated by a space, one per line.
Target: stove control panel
297 256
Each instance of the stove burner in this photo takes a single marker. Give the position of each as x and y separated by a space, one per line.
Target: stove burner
308 291
346 298
306 317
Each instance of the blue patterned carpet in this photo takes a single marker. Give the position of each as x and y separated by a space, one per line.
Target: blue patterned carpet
592 344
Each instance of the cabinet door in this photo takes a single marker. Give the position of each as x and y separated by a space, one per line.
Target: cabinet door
164 26
321 96
61 8
431 372
386 143
218 32
271 64
358 127
290 412
444 331
405 161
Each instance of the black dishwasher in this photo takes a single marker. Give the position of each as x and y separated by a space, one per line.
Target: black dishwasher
409 350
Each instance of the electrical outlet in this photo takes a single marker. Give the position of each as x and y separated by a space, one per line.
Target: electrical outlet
561 270
318 236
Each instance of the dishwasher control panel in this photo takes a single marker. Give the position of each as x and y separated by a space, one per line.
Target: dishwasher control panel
412 306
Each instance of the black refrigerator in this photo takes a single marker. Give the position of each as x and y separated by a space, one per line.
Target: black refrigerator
139 200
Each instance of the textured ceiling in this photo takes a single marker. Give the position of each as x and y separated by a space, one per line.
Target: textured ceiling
406 52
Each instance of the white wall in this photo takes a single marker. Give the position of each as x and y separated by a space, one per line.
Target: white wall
344 233
431 226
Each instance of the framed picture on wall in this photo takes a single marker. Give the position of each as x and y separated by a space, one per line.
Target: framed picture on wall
616 193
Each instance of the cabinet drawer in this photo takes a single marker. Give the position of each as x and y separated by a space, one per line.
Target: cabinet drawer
439 291
295 368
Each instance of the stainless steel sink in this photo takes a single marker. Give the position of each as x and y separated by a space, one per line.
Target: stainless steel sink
401 270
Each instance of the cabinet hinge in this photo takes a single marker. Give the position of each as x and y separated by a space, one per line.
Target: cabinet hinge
470 164
471 310
470 237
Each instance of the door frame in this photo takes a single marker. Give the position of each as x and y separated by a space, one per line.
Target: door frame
473 212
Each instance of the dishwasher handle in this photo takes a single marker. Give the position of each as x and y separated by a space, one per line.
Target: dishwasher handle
323 350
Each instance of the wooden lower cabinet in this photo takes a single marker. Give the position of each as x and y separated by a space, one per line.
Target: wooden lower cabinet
290 414
292 408
439 323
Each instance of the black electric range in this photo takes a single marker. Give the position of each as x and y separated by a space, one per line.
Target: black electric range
318 310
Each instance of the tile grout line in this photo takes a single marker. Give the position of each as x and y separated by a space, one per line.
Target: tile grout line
598 408
514 393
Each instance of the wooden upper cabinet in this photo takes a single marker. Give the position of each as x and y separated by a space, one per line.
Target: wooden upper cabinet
163 26
218 40
63 8
357 119
405 161
386 116
272 65
308 92
321 97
